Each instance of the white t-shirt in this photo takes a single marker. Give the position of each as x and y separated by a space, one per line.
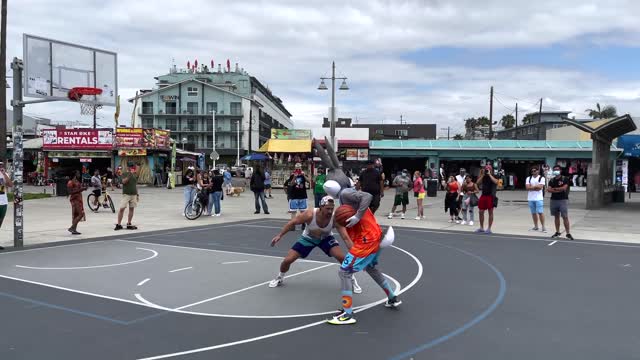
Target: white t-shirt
4 200
535 195
460 180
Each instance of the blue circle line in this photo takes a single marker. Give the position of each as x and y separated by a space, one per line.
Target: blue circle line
472 322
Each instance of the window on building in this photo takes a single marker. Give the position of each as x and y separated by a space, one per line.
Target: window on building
209 141
192 91
147 107
172 124
379 131
170 107
192 108
402 132
147 123
530 130
211 107
209 124
236 108
556 126
190 125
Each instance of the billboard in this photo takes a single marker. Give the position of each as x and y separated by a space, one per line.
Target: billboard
162 139
77 139
129 138
138 138
290 134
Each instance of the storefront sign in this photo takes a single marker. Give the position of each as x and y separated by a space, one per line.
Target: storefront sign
352 154
363 154
290 134
169 97
132 152
72 139
162 139
129 137
78 154
85 160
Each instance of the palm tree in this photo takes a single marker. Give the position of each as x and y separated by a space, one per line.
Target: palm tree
609 111
458 137
508 121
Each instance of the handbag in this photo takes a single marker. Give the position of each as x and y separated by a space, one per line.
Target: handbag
473 200
495 201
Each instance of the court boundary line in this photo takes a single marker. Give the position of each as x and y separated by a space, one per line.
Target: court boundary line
155 254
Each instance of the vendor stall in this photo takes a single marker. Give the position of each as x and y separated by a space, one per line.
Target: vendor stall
286 148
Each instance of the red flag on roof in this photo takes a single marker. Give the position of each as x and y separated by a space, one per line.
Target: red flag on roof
211 63
195 63
188 64
228 65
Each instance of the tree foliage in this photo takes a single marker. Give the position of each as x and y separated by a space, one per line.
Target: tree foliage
458 137
508 121
608 111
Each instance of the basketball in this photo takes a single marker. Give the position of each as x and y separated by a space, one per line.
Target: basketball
343 213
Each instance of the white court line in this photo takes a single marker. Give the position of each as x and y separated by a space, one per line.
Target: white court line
235 262
287 331
53 247
209 228
252 287
143 281
398 289
225 251
155 254
176 270
553 242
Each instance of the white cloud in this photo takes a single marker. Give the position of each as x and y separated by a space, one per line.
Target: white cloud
289 44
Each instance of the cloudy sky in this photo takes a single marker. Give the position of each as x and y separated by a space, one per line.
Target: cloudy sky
432 61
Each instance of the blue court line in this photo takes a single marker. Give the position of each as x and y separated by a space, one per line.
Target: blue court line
474 321
79 312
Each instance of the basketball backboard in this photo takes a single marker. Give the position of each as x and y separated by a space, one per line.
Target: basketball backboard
53 67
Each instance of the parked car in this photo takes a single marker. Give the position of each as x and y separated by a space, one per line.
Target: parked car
239 170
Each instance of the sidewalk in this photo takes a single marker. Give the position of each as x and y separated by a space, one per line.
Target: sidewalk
47 220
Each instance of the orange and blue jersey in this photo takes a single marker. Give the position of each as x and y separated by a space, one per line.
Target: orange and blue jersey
365 235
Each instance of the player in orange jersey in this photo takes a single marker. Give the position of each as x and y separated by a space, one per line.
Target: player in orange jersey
363 238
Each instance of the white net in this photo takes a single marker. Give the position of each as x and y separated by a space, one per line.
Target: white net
88 108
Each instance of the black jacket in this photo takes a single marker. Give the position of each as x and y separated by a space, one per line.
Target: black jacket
257 182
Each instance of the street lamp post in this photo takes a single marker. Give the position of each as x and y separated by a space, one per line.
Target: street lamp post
238 141
184 141
323 86
213 152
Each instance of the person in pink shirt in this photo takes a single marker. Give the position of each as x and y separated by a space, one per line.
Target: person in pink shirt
419 193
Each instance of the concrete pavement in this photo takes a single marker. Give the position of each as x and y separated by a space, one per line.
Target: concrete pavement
47 220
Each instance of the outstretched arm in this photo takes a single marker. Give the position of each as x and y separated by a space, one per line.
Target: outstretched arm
302 218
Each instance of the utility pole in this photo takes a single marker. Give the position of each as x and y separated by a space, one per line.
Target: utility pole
448 128
3 81
491 115
516 121
540 118
400 119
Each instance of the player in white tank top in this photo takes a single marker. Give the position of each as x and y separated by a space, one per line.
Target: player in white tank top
318 233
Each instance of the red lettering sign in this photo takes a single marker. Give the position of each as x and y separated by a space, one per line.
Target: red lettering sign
77 139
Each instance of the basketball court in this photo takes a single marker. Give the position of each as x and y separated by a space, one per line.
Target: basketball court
203 293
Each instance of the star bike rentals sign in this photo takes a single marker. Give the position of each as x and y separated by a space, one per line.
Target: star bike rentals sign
77 139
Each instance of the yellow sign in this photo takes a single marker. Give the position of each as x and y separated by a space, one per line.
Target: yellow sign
132 152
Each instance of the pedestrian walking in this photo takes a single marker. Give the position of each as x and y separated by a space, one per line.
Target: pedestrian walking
297 186
130 196
419 193
535 197
401 182
5 182
372 182
256 184
189 187
215 194
559 189
318 186
96 186
487 201
267 183
469 200
228 187
75 189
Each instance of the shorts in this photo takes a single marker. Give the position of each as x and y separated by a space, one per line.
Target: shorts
3 212
130 201
355 264
485 202
267 186
419 195
297 204
536 206
559 207
304 245
375 203
401 199
97 192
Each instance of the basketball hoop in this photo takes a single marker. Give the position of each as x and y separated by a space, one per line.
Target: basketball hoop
86 108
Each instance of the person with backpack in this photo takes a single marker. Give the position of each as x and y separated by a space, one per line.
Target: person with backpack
535 184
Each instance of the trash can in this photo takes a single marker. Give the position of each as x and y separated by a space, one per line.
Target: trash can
432 188
61 186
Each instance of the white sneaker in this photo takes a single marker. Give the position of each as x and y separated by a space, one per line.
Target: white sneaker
218 214
450 221
470 223
390 216
457 221
276 282
418 218
212 215
463 222
402 216
356 288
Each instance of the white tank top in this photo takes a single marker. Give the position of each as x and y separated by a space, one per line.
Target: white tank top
312 229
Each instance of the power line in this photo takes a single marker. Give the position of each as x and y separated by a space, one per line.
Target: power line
505 106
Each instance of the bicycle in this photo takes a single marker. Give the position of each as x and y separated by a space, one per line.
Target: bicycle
196 207
95 204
